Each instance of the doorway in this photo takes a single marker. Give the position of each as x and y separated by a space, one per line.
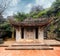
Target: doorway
36 33
22 33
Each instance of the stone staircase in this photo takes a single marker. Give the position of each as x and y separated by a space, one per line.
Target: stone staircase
29 46
45 45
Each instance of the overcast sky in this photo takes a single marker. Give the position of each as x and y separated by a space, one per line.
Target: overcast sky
25 6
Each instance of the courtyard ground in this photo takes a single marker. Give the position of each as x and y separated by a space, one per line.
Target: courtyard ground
54 52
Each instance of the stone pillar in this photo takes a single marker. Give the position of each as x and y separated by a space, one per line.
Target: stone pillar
40 34
13 33
18 35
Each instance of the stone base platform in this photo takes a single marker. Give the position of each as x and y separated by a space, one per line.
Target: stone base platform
30 40
42 45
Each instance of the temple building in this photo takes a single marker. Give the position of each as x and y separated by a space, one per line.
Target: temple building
30 29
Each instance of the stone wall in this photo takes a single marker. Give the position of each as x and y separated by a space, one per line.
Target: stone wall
29 34
18 35
40 34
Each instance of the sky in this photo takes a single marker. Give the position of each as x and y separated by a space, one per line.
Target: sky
25 6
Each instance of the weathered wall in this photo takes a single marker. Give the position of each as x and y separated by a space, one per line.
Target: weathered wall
18 35
40 33
29 34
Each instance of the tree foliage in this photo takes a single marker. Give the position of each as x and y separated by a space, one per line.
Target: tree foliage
35 10
20 16
4 25
4 4
54 11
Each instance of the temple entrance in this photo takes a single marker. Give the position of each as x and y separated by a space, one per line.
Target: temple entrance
36 33
29 33
22 33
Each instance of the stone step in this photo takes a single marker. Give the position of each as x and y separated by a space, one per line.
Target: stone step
17 45
2 45
55 45
29 48
27 45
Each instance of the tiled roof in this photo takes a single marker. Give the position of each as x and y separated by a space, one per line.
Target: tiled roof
31 22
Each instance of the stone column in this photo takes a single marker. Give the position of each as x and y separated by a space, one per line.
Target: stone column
13 33
18 35
40 34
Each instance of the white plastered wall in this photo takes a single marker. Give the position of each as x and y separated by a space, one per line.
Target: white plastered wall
29 35
40 34
18 35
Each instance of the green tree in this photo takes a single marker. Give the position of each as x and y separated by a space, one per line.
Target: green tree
4 4
35 10
54 9
54 12
20 16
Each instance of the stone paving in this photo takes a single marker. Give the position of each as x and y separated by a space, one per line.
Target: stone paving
43 42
